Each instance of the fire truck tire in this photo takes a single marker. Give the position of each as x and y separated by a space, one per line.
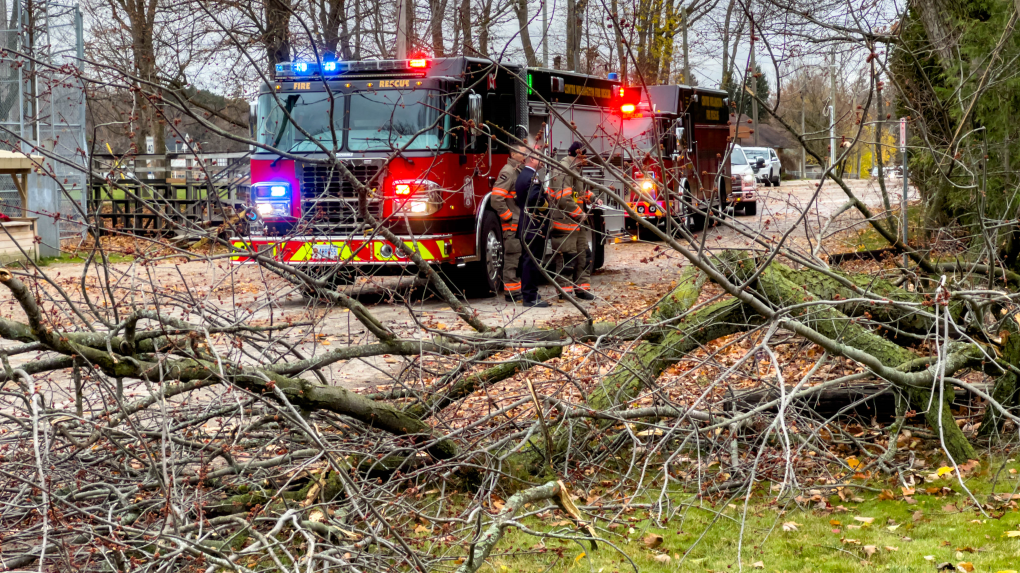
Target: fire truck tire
750 209
486 275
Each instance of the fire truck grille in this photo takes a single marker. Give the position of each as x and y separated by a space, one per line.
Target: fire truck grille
323 181
330 201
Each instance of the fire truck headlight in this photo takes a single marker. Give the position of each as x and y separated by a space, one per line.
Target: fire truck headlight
647 185
749 179
420 207
268 209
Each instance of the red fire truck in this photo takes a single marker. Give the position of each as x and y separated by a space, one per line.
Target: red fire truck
685 178
428 137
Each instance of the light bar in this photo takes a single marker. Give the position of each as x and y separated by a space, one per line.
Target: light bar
285 70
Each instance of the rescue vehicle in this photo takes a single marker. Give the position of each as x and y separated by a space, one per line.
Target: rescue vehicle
677 137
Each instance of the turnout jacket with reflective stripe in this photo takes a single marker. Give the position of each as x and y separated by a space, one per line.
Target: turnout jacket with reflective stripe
503 192
565 210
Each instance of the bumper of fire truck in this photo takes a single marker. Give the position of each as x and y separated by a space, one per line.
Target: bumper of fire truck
346 250
648 210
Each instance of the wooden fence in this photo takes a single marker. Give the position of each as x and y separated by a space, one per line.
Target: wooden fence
157 195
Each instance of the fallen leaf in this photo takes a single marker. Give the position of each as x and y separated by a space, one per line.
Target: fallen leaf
790 526
918 515
758 565
422 529
891 548
662 558
893 527
864 519
1013 534
907 490
886 495
945 567
966 566
578 558
653 540
870 550
834 522
950 508
929 558
1007 571
853 462
943 471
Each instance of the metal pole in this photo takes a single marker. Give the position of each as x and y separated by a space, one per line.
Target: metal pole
545 33
903 200
832 113
754 89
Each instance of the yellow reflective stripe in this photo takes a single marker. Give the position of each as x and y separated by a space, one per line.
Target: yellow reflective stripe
303 253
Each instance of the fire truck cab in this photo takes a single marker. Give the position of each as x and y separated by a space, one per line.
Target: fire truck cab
427 138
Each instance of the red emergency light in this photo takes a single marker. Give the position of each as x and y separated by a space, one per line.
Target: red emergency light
418 63
628 99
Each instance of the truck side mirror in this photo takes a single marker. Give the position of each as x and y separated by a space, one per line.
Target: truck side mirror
761 162
253 119
475 114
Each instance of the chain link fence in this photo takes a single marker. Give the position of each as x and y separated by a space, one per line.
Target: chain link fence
42 113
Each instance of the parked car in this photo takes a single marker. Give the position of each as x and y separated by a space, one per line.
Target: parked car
765 163
743 189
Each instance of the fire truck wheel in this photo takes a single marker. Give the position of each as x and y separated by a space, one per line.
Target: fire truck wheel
750 209
491 244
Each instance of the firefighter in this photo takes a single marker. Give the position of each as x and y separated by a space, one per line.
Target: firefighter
530 196
569 233
509 213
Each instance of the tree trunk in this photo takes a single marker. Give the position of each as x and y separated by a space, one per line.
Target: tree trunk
438 10
465 27
277 38
521 8
781 292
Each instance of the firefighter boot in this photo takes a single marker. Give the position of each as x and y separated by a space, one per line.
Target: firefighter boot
511 260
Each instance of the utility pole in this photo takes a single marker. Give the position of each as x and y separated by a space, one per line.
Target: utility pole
545 33
903 200
832 112
687 54
402 29
803 132
754 88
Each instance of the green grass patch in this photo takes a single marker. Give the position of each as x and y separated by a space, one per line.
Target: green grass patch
817 532
66 258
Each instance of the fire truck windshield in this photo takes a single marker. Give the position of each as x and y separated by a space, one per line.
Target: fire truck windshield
388 119
379 120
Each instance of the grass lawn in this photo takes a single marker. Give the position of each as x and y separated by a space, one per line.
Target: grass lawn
818 532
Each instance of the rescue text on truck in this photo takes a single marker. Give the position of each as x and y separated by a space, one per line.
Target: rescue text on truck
427 137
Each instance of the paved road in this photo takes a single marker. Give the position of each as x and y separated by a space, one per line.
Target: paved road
635 275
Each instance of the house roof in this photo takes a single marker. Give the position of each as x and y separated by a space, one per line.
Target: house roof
768 136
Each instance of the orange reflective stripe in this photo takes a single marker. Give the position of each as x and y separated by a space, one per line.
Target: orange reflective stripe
512 287
567 190
584 286
506 215
577 212
509 226
568 288
500 190
565 226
